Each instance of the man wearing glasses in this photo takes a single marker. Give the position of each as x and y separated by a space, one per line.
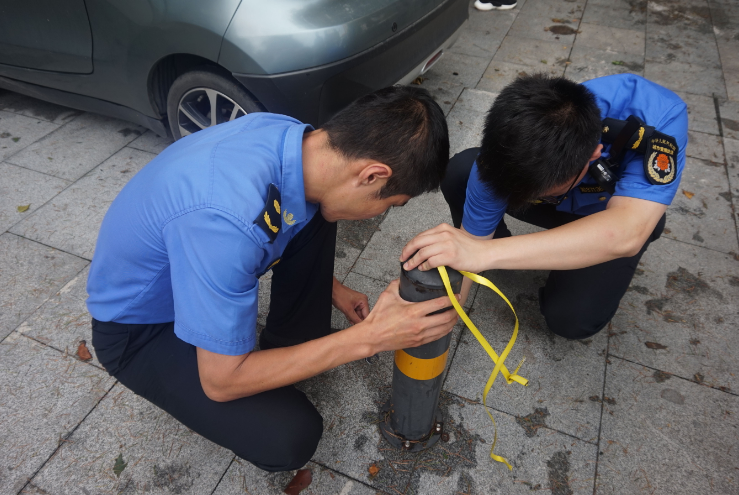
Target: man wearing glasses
541 161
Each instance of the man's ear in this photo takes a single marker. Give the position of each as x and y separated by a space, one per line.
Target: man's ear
596 153
373 172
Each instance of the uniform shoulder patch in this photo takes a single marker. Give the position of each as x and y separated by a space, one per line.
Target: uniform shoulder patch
269 219
660 159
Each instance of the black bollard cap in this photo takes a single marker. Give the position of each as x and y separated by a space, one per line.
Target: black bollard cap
432 278
417 286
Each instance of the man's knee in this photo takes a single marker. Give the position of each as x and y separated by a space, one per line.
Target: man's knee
571 320
293 444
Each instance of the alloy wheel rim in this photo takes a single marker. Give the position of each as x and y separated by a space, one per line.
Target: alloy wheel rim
201 108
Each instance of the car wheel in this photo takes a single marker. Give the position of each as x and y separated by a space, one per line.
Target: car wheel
203 98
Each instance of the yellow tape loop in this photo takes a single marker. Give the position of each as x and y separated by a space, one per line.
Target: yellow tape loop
499 366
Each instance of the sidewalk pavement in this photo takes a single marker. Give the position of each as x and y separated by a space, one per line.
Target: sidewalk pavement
649 405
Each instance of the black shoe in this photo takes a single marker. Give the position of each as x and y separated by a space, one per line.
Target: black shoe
495 4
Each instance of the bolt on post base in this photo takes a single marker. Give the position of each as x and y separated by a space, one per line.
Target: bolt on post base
400 442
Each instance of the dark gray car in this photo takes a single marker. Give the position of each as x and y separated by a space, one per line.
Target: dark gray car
184 65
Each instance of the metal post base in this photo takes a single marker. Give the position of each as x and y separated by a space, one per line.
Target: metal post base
399 442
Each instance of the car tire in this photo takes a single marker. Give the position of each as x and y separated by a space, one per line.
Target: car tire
205 97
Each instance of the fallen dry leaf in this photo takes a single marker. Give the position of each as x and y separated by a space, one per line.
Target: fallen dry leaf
119 465
23 208
655 345
688 194
300 482
82 351
373 470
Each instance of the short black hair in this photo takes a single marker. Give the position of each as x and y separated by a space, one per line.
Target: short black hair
400 126
539 134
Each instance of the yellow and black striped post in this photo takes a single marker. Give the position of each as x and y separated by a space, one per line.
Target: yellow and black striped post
412 419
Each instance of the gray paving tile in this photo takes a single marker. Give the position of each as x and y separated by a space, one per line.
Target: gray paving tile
444 92
732 160
728 51
538 54
701 113
29 274
482 43
161 454
150 141
467 118
77 147
613 16
63 321
21 187
621 4
542 459
380 259
346 256
662 434
43 396
562 9
72 219
349 398
723 12
690 78
37 109
545 28
587 63
242 477
681 16
683 297
701 213
458 69
19 131
498 75
731 78
725 17
729 111
611 39
705 147
352 237
562 374
664 48
492 21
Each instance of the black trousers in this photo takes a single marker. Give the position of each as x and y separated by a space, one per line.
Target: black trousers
576 304
277 430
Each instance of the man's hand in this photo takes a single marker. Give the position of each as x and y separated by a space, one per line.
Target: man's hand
445 246
398 324
353 304
392 324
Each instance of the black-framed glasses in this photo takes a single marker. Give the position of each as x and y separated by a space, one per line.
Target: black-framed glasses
556 200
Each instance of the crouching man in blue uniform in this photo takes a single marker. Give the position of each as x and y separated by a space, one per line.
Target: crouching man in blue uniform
174 282
595 163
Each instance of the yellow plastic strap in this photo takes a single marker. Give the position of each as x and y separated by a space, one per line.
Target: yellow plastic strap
499 366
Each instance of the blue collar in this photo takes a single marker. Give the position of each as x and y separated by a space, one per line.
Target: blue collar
293 189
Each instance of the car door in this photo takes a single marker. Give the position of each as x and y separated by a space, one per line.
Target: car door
51 35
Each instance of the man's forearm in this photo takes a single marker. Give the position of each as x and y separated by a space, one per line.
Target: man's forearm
604 236
274 368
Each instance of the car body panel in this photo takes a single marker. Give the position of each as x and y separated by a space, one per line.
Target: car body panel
287 35
313 95
130 36
59 40
307 58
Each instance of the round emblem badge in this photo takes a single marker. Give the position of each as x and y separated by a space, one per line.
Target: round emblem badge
661 168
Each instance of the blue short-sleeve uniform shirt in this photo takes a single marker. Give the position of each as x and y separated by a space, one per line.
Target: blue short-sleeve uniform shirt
179 243
617 97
